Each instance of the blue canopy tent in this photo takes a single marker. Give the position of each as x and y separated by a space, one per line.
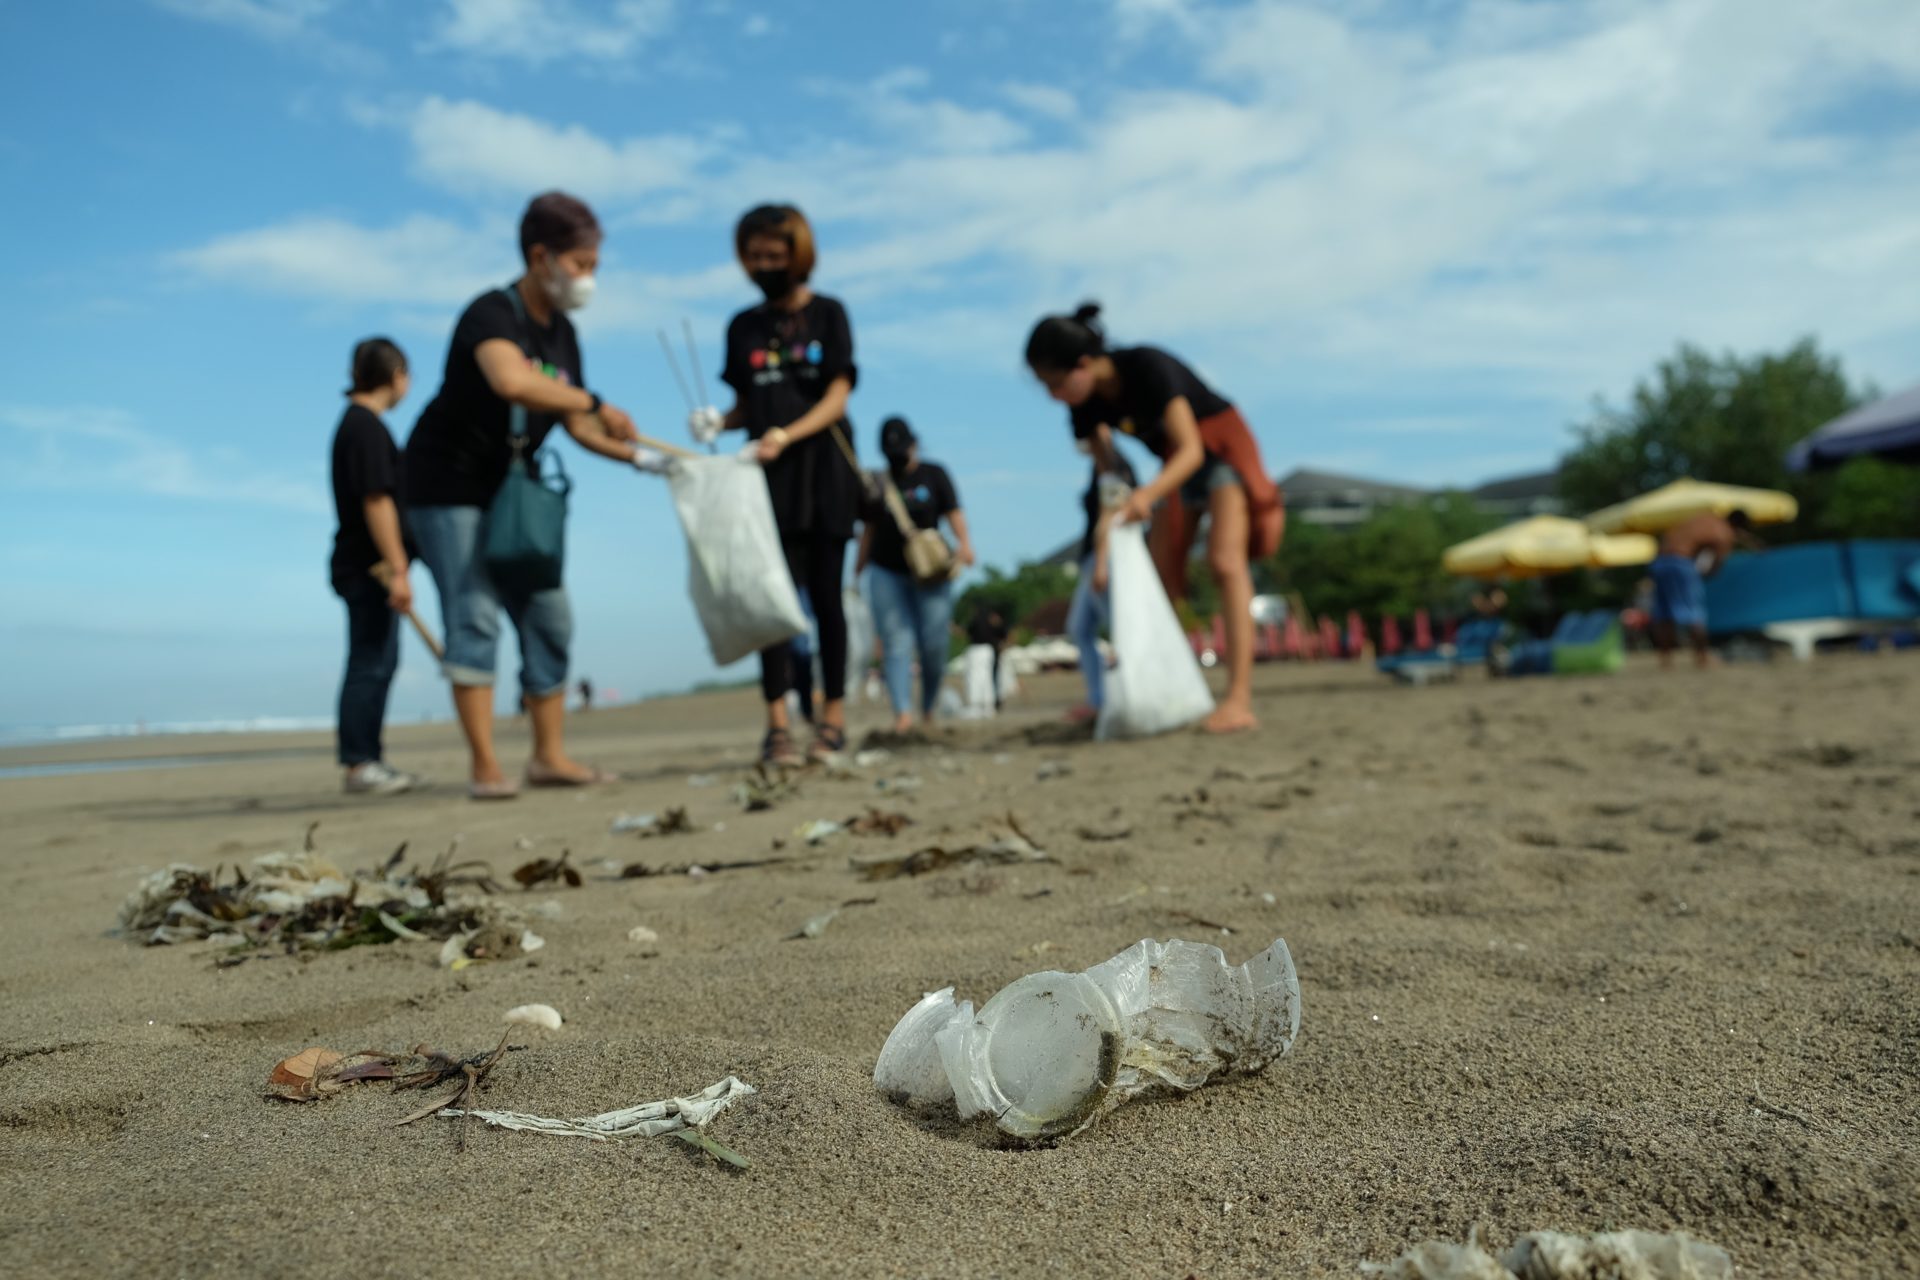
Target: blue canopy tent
1887 428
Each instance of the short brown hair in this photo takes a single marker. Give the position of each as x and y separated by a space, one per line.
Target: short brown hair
560 222
783 222
376 363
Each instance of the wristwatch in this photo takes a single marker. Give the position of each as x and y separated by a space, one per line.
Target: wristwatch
595 406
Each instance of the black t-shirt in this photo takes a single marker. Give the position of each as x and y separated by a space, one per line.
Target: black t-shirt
458 452
986 629
927 492
779 363
366 463
1090 500
1150 379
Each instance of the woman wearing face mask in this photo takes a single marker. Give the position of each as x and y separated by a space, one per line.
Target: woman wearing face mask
912 617
512 346
790 363
1209 464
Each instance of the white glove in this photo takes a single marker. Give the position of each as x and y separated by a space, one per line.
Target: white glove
706 424
651 461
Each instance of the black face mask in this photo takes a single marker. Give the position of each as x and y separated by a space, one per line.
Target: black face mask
775 284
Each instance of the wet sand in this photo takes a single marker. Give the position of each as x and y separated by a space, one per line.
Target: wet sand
1580 954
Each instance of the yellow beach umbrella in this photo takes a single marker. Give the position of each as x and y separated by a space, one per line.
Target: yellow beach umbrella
1544 545
1682 500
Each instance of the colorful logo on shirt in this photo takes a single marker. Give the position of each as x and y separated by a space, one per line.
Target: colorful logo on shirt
558 374
1127 427
815 352
758 359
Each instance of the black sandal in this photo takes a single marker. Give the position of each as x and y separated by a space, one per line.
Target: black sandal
777 749
829 740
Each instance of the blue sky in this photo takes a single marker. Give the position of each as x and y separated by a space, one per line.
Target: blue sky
1412 239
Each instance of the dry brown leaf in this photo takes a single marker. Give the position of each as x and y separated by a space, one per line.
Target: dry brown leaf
303 1066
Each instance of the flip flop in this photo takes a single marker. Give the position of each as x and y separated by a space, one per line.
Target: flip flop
501 790
541 776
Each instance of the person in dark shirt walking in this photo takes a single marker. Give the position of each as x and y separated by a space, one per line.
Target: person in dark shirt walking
912 617
366 502
790 363
1209 466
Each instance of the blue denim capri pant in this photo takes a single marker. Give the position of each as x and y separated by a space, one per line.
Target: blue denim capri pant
450 540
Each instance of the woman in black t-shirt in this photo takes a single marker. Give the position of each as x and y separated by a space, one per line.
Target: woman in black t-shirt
514 355
1209 465
912 617
366 501
790 363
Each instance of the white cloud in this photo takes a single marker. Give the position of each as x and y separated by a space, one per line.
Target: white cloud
543 31
1049 101
469 146
1552 193
267 19
420 260
102 450
757 25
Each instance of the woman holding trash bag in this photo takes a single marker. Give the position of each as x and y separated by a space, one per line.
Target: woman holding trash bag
913 611
1209 464
513 373
790 363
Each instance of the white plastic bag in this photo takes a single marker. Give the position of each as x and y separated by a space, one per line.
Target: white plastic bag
736 571
977 675
1157 685
860 639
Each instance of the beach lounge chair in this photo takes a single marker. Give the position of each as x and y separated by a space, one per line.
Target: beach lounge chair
1814 591
1472 645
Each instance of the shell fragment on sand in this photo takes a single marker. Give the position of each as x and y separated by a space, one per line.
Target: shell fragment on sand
1052 1052
646 1120
534 1015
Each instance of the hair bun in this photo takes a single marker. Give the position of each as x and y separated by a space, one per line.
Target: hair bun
1087 313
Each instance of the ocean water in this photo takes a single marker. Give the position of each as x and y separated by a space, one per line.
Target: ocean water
24 735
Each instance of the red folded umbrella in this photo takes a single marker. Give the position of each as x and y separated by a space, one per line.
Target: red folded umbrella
1422 630
1329 639
1389 636
1356 634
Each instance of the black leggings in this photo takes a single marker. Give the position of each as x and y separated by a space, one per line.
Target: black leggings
816 564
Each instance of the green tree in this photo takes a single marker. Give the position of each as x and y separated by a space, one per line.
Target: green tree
1388 564
1732 419
1017 595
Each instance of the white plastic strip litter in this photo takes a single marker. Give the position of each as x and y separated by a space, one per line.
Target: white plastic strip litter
648 1120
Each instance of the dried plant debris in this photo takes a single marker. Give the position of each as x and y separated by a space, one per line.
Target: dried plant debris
878 822
674 822
1013 847
305 902
546 871
640 870
314 1074
765 789
1549 1255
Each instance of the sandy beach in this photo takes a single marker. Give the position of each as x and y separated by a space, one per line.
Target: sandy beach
1574 954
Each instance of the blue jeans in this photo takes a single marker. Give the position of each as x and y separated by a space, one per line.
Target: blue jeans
1085 617
911 619
450 540
373 655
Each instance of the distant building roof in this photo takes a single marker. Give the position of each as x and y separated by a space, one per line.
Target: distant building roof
1303 484
1536 484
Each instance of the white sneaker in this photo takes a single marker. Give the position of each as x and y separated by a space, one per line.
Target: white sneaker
377 778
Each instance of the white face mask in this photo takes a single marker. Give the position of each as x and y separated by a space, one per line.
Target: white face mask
568 292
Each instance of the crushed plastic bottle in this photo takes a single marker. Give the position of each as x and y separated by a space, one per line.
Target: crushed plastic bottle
1052 1052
